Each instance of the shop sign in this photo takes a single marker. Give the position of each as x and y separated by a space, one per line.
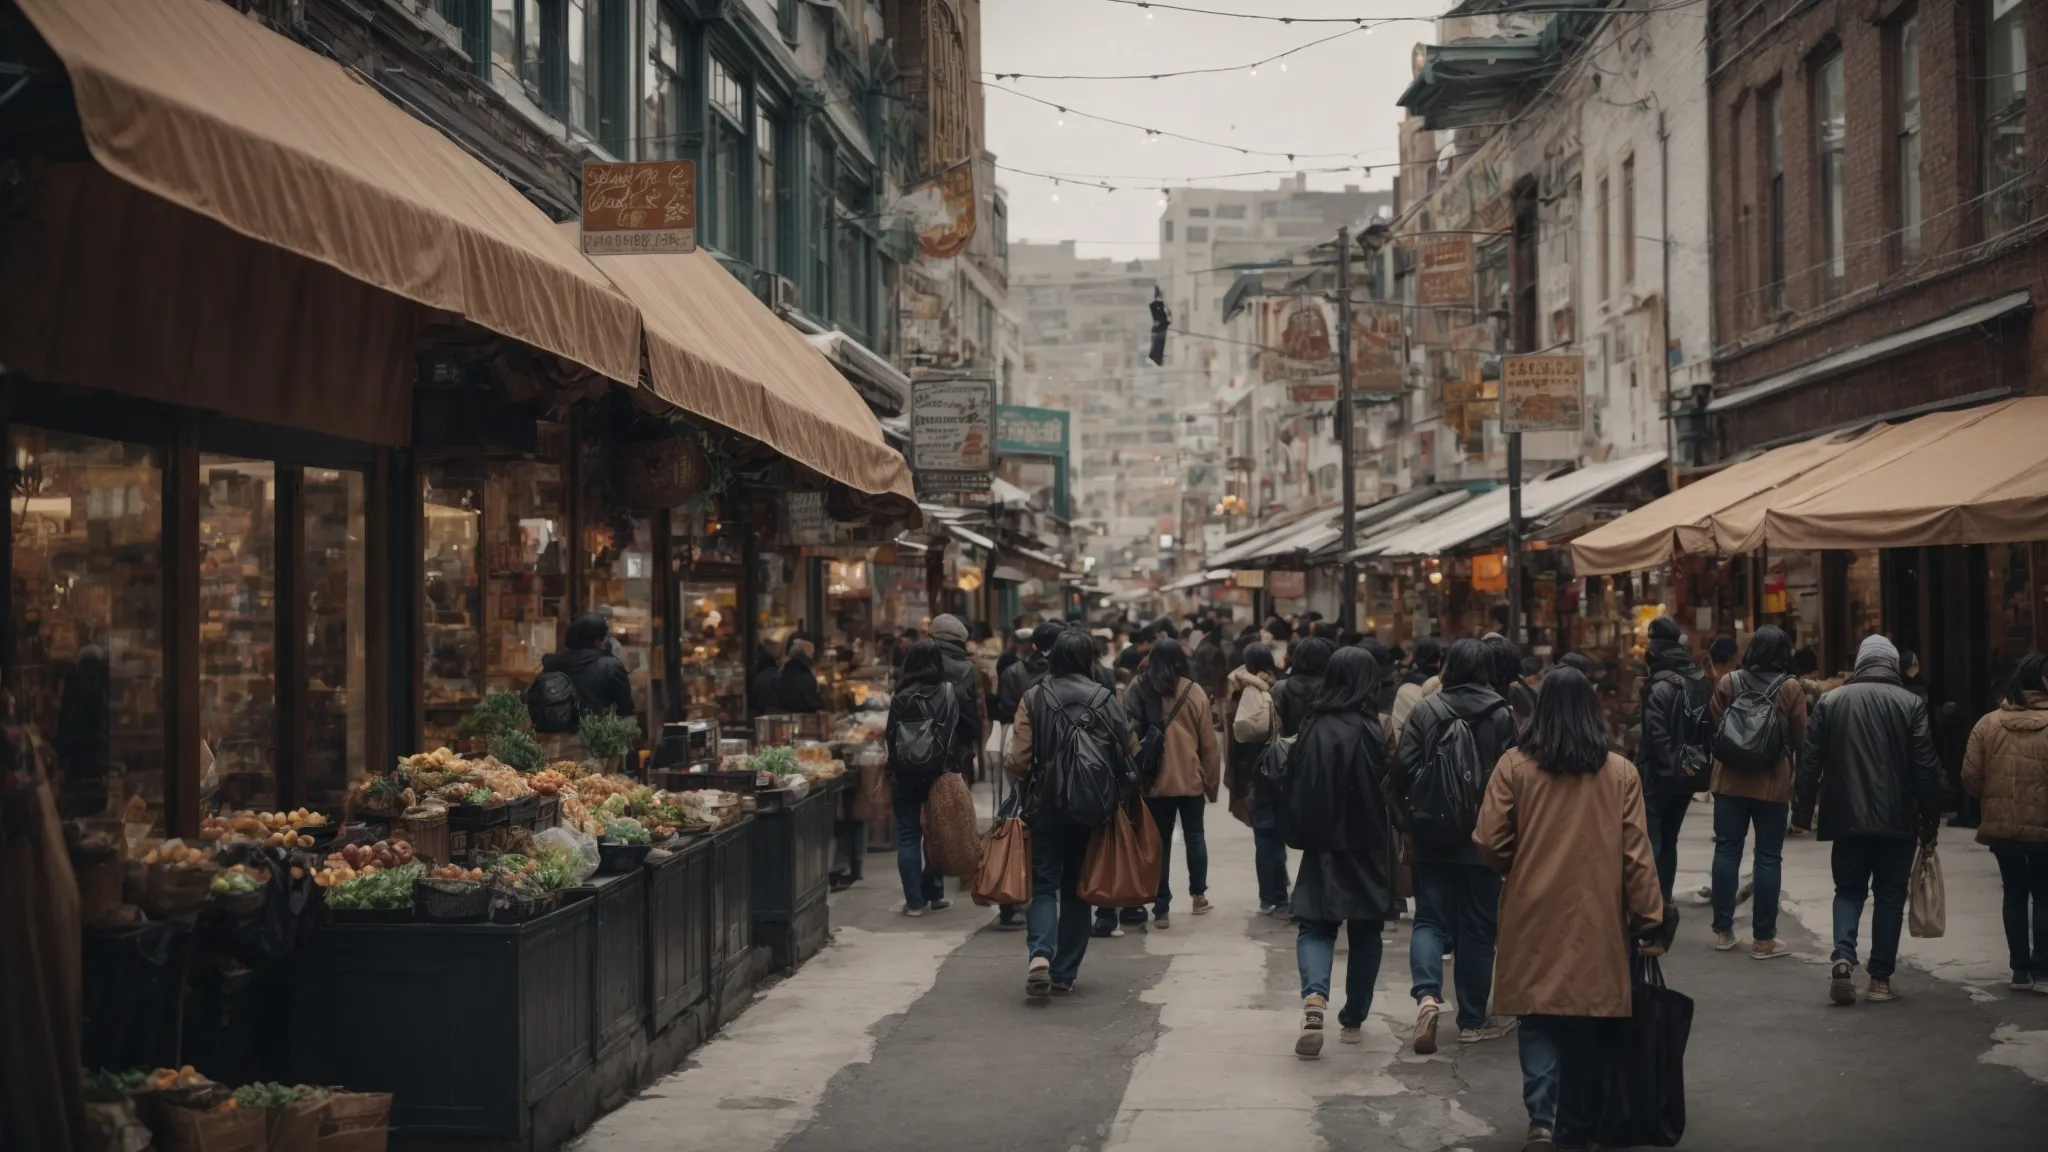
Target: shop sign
1287 585
1445 277
808 524
1249 578
1542 393
1031 431
952 437
642 207
1301 348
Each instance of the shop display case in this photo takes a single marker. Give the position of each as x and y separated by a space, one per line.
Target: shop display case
238 632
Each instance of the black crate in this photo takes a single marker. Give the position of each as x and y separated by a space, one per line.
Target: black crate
792 863
618 960
680 908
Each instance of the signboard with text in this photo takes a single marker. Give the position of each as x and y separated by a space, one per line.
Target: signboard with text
1542 393
637 208
1031 431
1301 348
1287 585
1444 279
952 437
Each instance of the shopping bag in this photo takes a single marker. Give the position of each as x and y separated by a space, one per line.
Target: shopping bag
1005 873
1121 866
1926 901
1642 1102
952 836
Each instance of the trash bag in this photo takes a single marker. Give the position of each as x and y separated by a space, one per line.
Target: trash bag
1926 900
1643 1095
580 844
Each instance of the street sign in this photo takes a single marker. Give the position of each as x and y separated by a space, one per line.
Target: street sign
1031 431
1287 585
1542 393
644 207
952 437
1445 278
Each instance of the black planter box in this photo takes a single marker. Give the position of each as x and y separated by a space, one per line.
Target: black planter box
732 919
792 863
680 908
618 959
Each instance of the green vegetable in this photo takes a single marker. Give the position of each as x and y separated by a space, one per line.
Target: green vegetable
479 797
515 749
104 1087
509 862
668 814
557 869
775 761
627 830
605 735
234 882
266 1094
612 805
386 790
641 801
499 712
384 891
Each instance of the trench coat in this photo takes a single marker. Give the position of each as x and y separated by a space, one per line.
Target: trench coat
1581 881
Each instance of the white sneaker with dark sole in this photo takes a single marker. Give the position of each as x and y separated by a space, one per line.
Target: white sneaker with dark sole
1309 1045
1426 1013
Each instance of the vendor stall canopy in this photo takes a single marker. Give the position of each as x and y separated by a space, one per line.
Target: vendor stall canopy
1487 514
1976 476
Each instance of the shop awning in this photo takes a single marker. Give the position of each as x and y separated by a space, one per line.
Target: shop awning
715 351
1260 540
1486 514
1409 518
1197 580
203 107
879 383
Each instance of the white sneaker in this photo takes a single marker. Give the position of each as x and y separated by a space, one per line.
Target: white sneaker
909 911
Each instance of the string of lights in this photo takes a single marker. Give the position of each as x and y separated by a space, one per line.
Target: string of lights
1151 6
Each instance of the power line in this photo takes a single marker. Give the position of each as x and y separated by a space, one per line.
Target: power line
1069 110
1252 67
1150 6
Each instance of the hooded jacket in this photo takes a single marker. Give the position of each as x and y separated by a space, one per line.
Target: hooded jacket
1291 698
1349 876
1677 686
796 690
965 677
1870 760
1493 732
600 680
2006 766
1016 680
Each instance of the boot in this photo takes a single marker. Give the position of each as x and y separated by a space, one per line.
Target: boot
1309 1045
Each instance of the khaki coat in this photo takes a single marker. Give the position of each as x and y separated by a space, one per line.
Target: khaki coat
1775 785
1580 881
1193 761
2006 766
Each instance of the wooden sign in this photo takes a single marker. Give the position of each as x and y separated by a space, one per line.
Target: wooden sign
1542 393
643 207
1445 277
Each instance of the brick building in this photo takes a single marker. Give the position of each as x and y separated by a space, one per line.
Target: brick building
1879 212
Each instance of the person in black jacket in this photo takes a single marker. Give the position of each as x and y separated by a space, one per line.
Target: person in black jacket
1870 760
1026 671
950 634
1293 696
1457 897
1207 661
796 689
764 694
600 680
1673 751
1333 809
918 694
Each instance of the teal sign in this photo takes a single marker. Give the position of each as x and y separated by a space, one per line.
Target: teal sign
1031 431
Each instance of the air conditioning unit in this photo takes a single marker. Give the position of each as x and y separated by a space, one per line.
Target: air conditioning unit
777 292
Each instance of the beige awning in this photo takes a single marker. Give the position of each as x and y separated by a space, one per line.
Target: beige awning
717 352
202 106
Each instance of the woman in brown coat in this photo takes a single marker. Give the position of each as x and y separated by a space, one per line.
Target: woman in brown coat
1760 798
1563 822
2006 766
1165 697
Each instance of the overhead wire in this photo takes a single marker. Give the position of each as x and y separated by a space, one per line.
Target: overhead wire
1252 67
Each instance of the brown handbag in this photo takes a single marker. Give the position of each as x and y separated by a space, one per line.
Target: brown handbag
1005 873
1121 868
952 834
869 799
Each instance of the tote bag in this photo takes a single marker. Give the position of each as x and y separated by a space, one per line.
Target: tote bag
1005 873
1926 900
1121 867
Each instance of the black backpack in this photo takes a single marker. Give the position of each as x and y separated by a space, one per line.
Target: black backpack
1152 746
921 736
1692 727
1752 735
1444 796
1087 772
551 702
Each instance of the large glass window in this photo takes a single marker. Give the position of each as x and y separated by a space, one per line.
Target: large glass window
1628 220
661 84
619 586
451 610
237 633
580 102
1906 57
729 160
87 522
336 590
1831 139
818 233
767 187
504 57
2005 117
1603 220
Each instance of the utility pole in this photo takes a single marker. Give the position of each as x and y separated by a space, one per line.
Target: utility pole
1514 630
1347 608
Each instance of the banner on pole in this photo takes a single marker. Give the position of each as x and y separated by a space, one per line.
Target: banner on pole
1542 393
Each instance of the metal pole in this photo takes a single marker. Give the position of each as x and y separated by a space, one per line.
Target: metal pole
1347 608
1514 630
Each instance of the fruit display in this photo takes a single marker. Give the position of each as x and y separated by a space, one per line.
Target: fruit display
240 880
549 782
178 854
359 860
378 890
452 872
504 780
596 789
272 1095
439 760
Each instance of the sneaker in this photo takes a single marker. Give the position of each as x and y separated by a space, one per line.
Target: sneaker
2022 982
1878 991
909 911
1283 910
1540 1140
1426 1012
1008 920
1267 909
1309 1045
1768 950
1202 905
1063 988
1103 928
1842 983
1724 941
1494 1028
1161 922
940 905
1350 1035
1038 981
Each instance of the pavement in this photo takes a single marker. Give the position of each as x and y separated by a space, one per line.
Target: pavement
914 1033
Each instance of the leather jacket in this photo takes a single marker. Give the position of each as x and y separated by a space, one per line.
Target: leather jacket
1870 760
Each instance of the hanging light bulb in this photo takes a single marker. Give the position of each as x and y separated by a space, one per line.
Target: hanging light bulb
1055 191
1283 65
1062 121
1255 73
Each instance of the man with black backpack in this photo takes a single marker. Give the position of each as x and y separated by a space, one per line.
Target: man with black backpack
1449 746
1675 757
965 677
1759 715
921 738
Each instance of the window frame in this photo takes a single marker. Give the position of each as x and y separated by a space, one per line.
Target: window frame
2006 210
1603 223
1628 220
1771 111
1829 96
1908 189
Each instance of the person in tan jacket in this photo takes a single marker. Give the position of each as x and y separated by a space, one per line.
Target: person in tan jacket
2006 767
1563 822
1254 723
1166 698
1762 798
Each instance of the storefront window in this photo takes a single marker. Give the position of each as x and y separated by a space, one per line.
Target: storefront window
526 584
714 670
337 697
2015 602
450 611
1863 592
620 588
87 519
237 632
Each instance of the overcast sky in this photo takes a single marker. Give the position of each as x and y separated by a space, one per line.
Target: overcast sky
1337 97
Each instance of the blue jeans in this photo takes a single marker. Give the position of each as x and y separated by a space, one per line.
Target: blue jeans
922 884
1056 923
1558 1051
1189 810
1664 812
2023 874
1732 817
1315 953
1269 852
1871 863
1457 909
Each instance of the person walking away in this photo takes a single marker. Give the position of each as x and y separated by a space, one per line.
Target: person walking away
1206 662
1066 721
597 679
1423 667
1293 695
764 692
1870 762
2005 768
1168 707
1278 635
1521 695
1674 757
965 677
1332 808
797 688
1760 720
1563 822
1020 677
1392 662
924 715
1253 725
1460 733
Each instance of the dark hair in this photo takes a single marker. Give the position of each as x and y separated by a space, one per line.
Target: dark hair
1279 628
1395 655
1579 661
1770 651
1908 660
1567 734
1351 683
1805 662
1073 653
1376 650
1328 630
1310 657
923 664
1664 628
1047 634
982 631
1507 663
1249 634
1532 665
1259 658
1722 650
1167 667
585 631
1467 662
1429 654
2026 677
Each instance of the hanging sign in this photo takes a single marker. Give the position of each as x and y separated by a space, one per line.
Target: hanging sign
1287 585
1542 393
1445 277
952 438
643 207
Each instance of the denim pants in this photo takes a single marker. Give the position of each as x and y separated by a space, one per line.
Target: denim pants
2024 874
1269 852
1315 954
1562 1057
922 884
1189 810
1865 864
1733 816
1457 909
1056 922
1665 814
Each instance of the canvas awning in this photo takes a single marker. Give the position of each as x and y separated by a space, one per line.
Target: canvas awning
199 105
1260 540
885 389
1427 510
1488 513
715 351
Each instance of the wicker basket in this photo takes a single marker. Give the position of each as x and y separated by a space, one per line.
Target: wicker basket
511 906
451 901
176 891
654 474
426 827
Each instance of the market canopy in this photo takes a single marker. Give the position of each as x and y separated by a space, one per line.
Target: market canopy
1488 513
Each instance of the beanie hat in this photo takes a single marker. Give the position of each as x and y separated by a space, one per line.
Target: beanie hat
948 627
1664 628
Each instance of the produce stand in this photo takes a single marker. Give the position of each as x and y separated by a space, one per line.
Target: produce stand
792 858
618 958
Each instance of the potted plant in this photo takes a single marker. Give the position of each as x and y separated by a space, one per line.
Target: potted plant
607 738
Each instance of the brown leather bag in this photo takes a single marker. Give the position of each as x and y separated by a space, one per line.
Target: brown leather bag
1005 873
952 833
1121 868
